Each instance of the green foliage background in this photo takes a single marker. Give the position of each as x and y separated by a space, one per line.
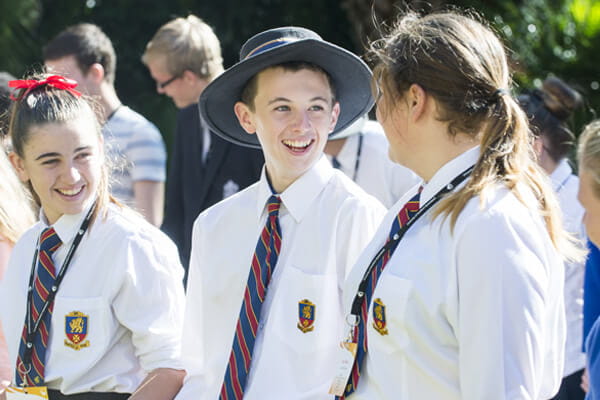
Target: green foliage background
546 36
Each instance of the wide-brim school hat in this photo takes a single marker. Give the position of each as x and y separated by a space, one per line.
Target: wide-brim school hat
350 75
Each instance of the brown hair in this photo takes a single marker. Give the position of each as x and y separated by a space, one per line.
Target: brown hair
589 152
549 110
88 44
250 89
46 104
462 64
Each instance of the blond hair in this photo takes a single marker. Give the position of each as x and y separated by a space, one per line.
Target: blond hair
462 64
186 44
16 213
589 152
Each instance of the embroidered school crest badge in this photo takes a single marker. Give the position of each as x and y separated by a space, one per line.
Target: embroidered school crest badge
306 315
379 322
76 329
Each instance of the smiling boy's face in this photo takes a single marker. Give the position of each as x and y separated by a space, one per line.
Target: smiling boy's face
293 114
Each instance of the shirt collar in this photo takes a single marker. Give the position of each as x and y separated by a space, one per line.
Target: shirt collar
67 225
298 197
448 172
561 174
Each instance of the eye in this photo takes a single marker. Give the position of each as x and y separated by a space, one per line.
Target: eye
83 155
316 107
282 108
50 161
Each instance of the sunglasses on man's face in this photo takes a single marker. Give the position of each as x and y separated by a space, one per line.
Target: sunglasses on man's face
162 85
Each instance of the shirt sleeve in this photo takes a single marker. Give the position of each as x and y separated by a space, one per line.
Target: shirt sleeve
355 232
505 296
151 299
192 340
146 153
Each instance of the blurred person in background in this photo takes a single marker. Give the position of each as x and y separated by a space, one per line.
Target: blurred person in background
16 216
549 109
183 57
589 197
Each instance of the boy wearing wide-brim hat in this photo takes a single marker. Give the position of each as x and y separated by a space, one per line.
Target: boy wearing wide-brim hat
263 316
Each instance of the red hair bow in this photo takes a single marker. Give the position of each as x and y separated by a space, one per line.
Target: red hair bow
56 81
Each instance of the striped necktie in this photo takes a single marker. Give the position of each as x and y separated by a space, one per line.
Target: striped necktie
262 267
360 331
33 371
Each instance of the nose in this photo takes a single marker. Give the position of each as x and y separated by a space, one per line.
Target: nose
302 122
71 174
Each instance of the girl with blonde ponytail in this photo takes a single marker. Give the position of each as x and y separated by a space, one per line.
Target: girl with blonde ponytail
465 299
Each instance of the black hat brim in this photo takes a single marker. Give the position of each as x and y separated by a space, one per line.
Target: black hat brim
350 75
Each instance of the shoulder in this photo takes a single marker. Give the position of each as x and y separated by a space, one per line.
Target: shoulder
191 112
124 227
500 214
229 210
28 239
344 194
139 126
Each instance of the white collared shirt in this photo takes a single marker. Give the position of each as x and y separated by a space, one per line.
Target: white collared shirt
125 277
376 174
473 314
326 220
566 185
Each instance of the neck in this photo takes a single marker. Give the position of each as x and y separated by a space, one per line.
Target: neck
334 147
548 165
108 99
436 158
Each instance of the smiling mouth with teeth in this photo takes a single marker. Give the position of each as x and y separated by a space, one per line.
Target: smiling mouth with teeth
71 193
297 144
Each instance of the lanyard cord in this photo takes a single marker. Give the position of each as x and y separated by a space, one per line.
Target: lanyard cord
32 330
358 153
393 243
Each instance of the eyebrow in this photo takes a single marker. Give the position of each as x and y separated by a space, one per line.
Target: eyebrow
276 99
55 154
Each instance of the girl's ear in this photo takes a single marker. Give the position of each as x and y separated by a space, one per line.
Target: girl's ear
19 165
417 99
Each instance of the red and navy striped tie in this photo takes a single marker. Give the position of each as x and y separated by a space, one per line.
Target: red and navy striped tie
32 373
360 331
263 265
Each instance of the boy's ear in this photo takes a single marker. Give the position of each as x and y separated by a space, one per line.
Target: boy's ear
335 113
244 116
19 166
96 73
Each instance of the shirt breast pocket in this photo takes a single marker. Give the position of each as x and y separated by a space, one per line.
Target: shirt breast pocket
80 331
306 313
387 322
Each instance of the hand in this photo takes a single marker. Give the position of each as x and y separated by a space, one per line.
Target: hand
585 381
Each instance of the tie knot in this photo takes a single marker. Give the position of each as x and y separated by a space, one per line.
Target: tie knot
49 240
273 205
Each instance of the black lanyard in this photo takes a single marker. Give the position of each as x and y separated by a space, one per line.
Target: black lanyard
393 243
358 153
32 329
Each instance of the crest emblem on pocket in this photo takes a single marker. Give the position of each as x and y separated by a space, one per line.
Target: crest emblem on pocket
76 330
306 315
379 321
